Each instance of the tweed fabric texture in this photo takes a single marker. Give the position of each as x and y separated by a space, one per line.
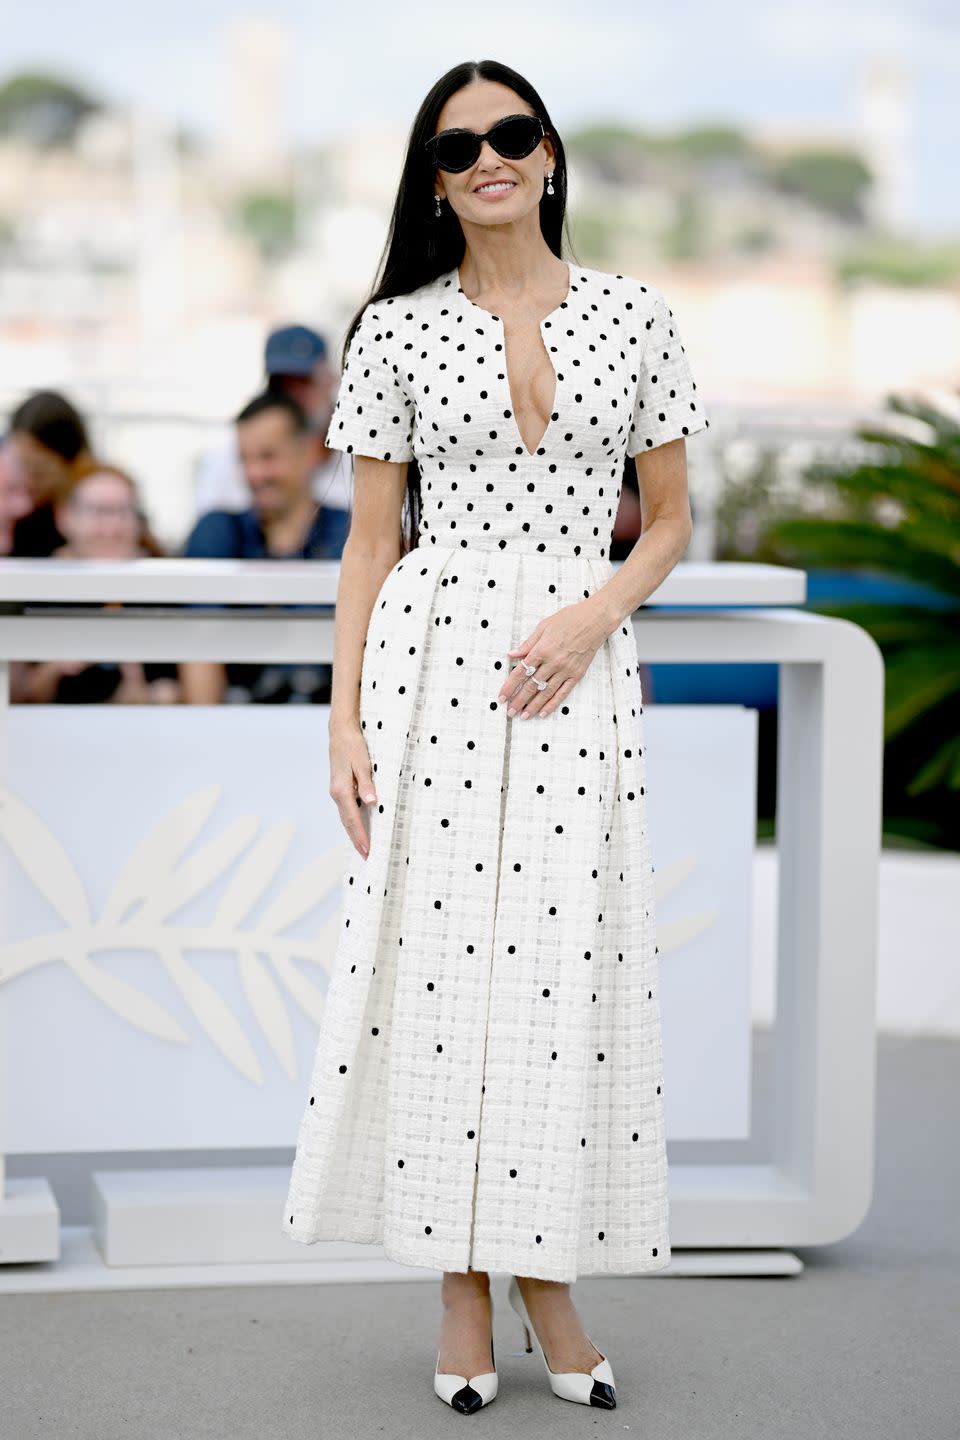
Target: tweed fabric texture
487 1090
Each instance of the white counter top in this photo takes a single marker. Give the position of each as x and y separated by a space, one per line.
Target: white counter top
175 580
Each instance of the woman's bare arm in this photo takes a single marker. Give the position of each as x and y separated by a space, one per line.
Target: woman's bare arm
372 548
667 527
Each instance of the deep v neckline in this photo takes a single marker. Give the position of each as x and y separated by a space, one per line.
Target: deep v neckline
530 454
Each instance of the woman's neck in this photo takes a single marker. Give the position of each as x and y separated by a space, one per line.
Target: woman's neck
503 264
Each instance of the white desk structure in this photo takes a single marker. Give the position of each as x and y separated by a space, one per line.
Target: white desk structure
813 1188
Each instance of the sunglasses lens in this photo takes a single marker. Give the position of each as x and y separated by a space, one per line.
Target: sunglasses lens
456 152
516 137
513 138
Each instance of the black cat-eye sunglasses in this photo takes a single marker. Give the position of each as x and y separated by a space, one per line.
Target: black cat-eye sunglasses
513 137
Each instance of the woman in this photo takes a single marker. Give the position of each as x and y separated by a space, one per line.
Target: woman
101 519
50 439
15 498
487 1091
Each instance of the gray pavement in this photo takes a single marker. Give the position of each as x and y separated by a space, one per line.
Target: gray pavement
863 1345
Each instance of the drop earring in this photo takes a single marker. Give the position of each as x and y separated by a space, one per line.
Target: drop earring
550 189
437 201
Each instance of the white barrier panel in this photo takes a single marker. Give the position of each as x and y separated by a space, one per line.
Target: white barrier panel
811 1181
172 879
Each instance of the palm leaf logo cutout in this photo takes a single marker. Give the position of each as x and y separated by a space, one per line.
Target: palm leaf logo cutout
156 881
668 879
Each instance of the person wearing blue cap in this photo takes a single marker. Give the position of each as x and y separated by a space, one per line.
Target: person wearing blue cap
297 363
292 353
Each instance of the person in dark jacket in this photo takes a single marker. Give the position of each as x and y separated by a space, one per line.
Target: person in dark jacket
283 522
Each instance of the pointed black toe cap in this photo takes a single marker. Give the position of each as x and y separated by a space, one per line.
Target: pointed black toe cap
467 1400
603 1395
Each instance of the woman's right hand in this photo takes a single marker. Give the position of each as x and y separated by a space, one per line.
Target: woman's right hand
351 781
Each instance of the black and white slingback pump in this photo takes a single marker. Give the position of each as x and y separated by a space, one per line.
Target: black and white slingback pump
593 1389
467 1395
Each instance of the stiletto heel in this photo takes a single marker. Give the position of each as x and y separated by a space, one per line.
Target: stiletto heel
463 1394
597 1388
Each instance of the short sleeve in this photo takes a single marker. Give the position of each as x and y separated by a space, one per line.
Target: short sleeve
373 414
667 404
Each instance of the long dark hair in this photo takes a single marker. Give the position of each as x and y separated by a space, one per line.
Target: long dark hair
52 421
421 246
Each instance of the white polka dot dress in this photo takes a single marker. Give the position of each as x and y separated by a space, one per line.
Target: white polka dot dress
488 1089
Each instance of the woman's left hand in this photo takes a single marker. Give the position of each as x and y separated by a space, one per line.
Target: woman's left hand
561 647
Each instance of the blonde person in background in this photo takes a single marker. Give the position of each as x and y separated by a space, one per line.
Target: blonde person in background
100 519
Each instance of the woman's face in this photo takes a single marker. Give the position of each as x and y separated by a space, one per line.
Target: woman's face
477 107
43 469
99 519
15 498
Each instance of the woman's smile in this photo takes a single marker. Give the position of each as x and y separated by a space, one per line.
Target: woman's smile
495 187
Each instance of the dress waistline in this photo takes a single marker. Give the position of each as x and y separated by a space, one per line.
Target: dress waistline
519 545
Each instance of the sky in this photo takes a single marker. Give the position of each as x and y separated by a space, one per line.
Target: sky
791 67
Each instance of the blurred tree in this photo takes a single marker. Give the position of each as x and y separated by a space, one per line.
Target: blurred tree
685 238
896 261
708 143
270 219
43 109
614 153
836 181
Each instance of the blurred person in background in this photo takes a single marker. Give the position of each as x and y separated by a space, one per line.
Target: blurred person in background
15 498
100 519
296 362
49 437
283 522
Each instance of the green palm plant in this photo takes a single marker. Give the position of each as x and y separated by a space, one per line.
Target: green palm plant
895 509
